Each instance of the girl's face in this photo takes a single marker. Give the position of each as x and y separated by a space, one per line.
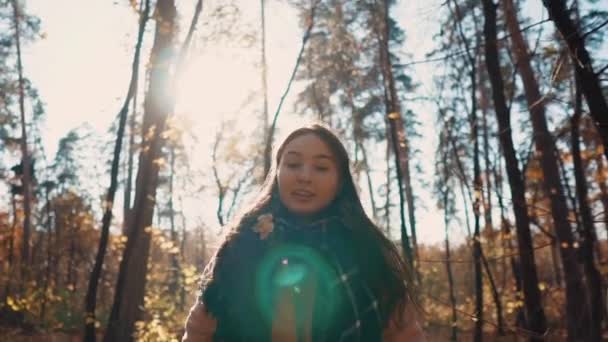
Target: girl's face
307 175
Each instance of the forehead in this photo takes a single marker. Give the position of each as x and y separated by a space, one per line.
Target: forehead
308 145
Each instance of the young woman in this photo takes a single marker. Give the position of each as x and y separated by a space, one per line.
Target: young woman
305 263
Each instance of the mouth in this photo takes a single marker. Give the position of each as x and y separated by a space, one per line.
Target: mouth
303 194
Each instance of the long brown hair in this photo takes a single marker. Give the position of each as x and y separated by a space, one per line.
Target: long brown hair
269 188
382 267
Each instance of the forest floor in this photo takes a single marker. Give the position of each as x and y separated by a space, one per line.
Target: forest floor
432 336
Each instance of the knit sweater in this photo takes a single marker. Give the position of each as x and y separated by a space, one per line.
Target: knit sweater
304 285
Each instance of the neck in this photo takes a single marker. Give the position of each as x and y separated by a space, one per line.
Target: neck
306 218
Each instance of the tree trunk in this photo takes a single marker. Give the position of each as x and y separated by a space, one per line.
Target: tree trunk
409 196
477 253
201 250
130 287
590 83
454 333
370 186
265 128
465 204
394 119
477 186
271 128
221 189
387 199
49 254
182 253
588 238
568 190
495 294
174 283
448 263
360 145
26 181
487 204
576 308
126 206
558 279
58 253
535 314
71 272
11 253
508 250
91 296
603 188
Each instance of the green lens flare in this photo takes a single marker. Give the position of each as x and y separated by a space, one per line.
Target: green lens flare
294 266
290 274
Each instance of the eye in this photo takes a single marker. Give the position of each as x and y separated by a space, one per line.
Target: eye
292 165
321 168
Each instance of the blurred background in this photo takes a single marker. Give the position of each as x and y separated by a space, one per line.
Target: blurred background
132 132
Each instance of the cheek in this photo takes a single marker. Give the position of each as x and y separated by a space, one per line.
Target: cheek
282 177
331 186
284 180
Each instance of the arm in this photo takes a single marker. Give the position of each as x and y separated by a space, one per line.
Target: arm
404 327
200 326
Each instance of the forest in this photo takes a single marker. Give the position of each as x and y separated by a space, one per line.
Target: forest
478 141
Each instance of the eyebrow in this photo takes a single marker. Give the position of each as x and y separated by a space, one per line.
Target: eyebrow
318 156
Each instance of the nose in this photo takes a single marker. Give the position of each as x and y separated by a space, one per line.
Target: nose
304 175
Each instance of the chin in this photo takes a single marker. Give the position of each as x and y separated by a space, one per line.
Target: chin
298 210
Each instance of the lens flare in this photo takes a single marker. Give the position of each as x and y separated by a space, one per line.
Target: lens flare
297 267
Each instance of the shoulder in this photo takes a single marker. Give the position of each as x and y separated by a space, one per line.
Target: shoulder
404 325
200 325
240 237
240 248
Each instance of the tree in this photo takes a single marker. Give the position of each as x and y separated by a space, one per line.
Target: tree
588 236
535 315
158 105
477 186
590 83
345 86
48 186
448 208
237 179
91 298
26 180
271 129
393 118
545 146
265 127
129 295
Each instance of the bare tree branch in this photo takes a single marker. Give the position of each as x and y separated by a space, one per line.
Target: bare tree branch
267 151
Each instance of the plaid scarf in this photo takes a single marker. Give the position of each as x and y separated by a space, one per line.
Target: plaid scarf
313 264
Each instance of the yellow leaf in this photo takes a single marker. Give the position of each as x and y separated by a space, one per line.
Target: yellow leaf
13 304
393 116
160 162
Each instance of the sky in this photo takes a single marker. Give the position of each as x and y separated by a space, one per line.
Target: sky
82 69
